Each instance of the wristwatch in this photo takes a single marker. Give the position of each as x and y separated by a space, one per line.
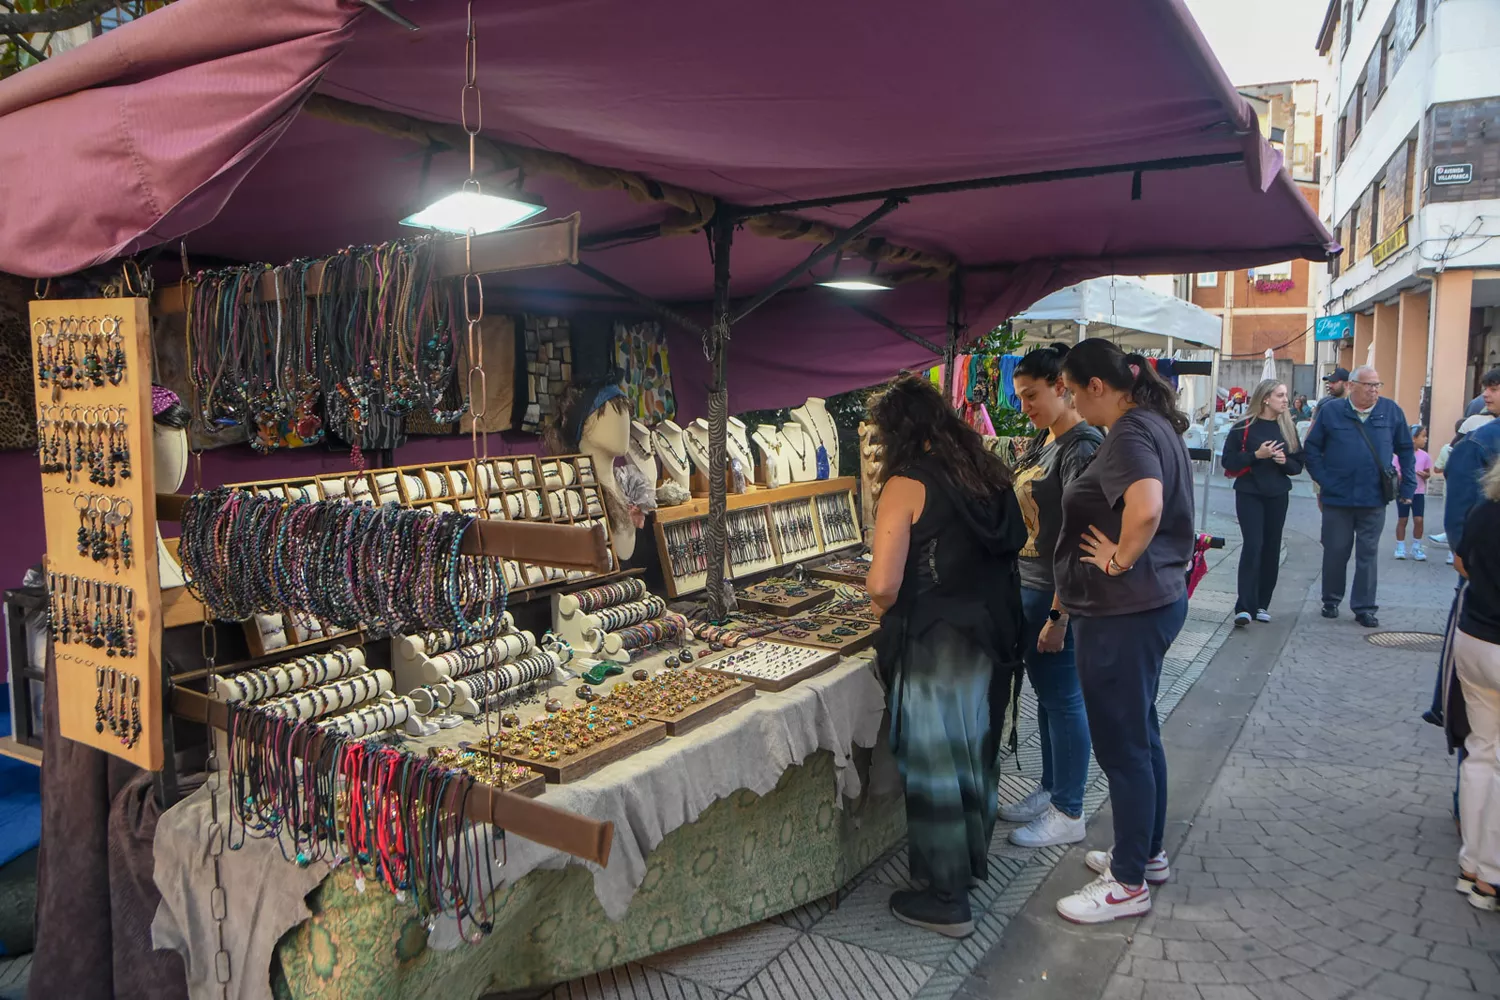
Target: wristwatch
1054 615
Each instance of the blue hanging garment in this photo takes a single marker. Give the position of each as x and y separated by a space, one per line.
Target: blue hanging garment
822 462
1007 394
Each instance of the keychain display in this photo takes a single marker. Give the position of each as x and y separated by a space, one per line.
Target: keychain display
104 529
79 352
72 439
117 706
91 613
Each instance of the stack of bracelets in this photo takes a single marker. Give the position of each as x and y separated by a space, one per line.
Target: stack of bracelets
436 641
314 703
394 816
466 660
603 596
385 570
746 537
794 526
837 519
686 549
490 689
280 678
648 633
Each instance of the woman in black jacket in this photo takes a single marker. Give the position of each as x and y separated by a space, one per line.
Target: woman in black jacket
1261 454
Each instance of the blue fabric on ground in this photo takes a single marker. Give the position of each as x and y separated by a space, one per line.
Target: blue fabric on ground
20 796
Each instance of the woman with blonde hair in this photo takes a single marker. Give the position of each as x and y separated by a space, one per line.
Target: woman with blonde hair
1261 454
1476 655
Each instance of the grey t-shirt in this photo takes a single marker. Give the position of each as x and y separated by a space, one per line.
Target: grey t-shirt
1141 445
1043 472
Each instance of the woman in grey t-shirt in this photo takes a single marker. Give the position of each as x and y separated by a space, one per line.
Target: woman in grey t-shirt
1121 568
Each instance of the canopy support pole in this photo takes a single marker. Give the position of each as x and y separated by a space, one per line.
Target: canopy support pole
721 236
955 327
896 328
829 249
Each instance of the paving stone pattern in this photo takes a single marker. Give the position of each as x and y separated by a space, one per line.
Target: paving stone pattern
1322 863
857 950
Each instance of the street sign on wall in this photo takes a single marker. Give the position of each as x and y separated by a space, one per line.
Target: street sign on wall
1339 326
1389 245
1453 173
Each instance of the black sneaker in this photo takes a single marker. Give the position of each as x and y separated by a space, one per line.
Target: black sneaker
1367 619
1330 611
946 914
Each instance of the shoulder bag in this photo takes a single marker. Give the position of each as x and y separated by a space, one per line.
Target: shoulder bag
1390 479
1244 445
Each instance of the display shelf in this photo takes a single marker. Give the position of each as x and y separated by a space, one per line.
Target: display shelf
96 355
749 547
792 530
805 662
836 515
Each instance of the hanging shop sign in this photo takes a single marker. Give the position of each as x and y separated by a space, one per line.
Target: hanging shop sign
1389 245
1453 173
1336 327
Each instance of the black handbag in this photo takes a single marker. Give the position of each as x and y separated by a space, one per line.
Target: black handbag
1390 478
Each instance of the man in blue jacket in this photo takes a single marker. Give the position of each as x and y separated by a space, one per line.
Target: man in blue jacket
1467 462
1348 451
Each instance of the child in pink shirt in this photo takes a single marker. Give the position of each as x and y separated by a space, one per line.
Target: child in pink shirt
1417 506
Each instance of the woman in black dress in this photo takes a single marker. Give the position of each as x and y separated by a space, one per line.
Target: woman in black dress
1261 454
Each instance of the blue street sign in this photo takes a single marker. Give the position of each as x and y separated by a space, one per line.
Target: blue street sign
1337 327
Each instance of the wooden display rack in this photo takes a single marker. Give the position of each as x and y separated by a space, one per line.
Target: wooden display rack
581 765
77 663
826 623
697 509
813 669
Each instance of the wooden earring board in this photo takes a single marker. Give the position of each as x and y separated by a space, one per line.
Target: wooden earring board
77 663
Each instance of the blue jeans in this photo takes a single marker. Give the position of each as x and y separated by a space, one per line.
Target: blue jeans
1119 663
1060 716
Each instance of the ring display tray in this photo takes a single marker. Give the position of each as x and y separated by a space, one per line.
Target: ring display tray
771 666
531 787
586 762
704 711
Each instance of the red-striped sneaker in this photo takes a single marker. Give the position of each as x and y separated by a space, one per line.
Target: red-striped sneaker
1103 900
1158 871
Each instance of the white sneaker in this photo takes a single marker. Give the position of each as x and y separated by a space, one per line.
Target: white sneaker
1439 539
1450 559
1417 553
1103 900
1050 828
1262 615
1241 619
1158 870
1400 550
1028 808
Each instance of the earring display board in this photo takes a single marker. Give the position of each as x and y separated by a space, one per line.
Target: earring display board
94 422
791 512
770 666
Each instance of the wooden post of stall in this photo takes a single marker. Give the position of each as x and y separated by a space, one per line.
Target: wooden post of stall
718 416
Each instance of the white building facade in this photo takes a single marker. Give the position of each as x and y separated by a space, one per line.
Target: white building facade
1411 188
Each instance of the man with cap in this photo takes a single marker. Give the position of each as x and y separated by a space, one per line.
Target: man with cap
1337 382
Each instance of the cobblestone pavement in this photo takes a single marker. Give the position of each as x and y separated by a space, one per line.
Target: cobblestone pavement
1321 865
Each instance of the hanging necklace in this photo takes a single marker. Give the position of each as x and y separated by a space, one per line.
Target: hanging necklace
682 459
801 453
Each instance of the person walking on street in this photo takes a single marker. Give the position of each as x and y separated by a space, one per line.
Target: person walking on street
1121 565
1261 454
1416 508
943 575
1488 400
1337 382
1053 812
1476 657
1348 453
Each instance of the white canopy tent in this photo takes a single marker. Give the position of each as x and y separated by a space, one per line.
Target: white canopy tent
1140 318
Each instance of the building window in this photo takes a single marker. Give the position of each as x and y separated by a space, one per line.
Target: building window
1272 271
1421 20
1208 279
1348 26
1342 140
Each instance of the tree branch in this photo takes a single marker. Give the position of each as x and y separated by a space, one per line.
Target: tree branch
55 18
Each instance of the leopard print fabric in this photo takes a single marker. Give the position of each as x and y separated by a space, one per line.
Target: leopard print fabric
17 387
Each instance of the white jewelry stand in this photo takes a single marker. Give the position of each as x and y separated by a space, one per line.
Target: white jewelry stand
170 463
813 418
798 453
770 452
643 452
606 437
672 452
738 442
696 436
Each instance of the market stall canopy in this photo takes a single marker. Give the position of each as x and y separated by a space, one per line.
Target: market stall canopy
1126 312
1138 157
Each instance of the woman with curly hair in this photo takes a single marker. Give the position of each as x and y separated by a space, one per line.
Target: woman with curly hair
944 575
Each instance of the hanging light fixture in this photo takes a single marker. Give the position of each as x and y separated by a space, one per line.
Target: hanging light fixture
871 282
469 210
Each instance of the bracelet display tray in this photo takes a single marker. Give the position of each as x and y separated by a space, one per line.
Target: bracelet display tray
781 605
585 763
840 572
826 625
810 669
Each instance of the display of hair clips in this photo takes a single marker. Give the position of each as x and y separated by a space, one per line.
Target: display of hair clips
91 613
104 529
836 518
79 352
117 704
71 439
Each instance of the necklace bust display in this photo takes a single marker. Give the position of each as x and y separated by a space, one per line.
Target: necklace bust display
799 454
642 452
770 444
813 417
697 444
737 440
597 417
671 452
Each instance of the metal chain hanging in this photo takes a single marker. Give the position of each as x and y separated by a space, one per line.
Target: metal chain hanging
218 903
473 286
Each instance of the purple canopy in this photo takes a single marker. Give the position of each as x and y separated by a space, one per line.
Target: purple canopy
185 122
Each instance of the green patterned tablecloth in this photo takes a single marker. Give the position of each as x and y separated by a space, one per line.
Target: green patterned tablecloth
747 857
